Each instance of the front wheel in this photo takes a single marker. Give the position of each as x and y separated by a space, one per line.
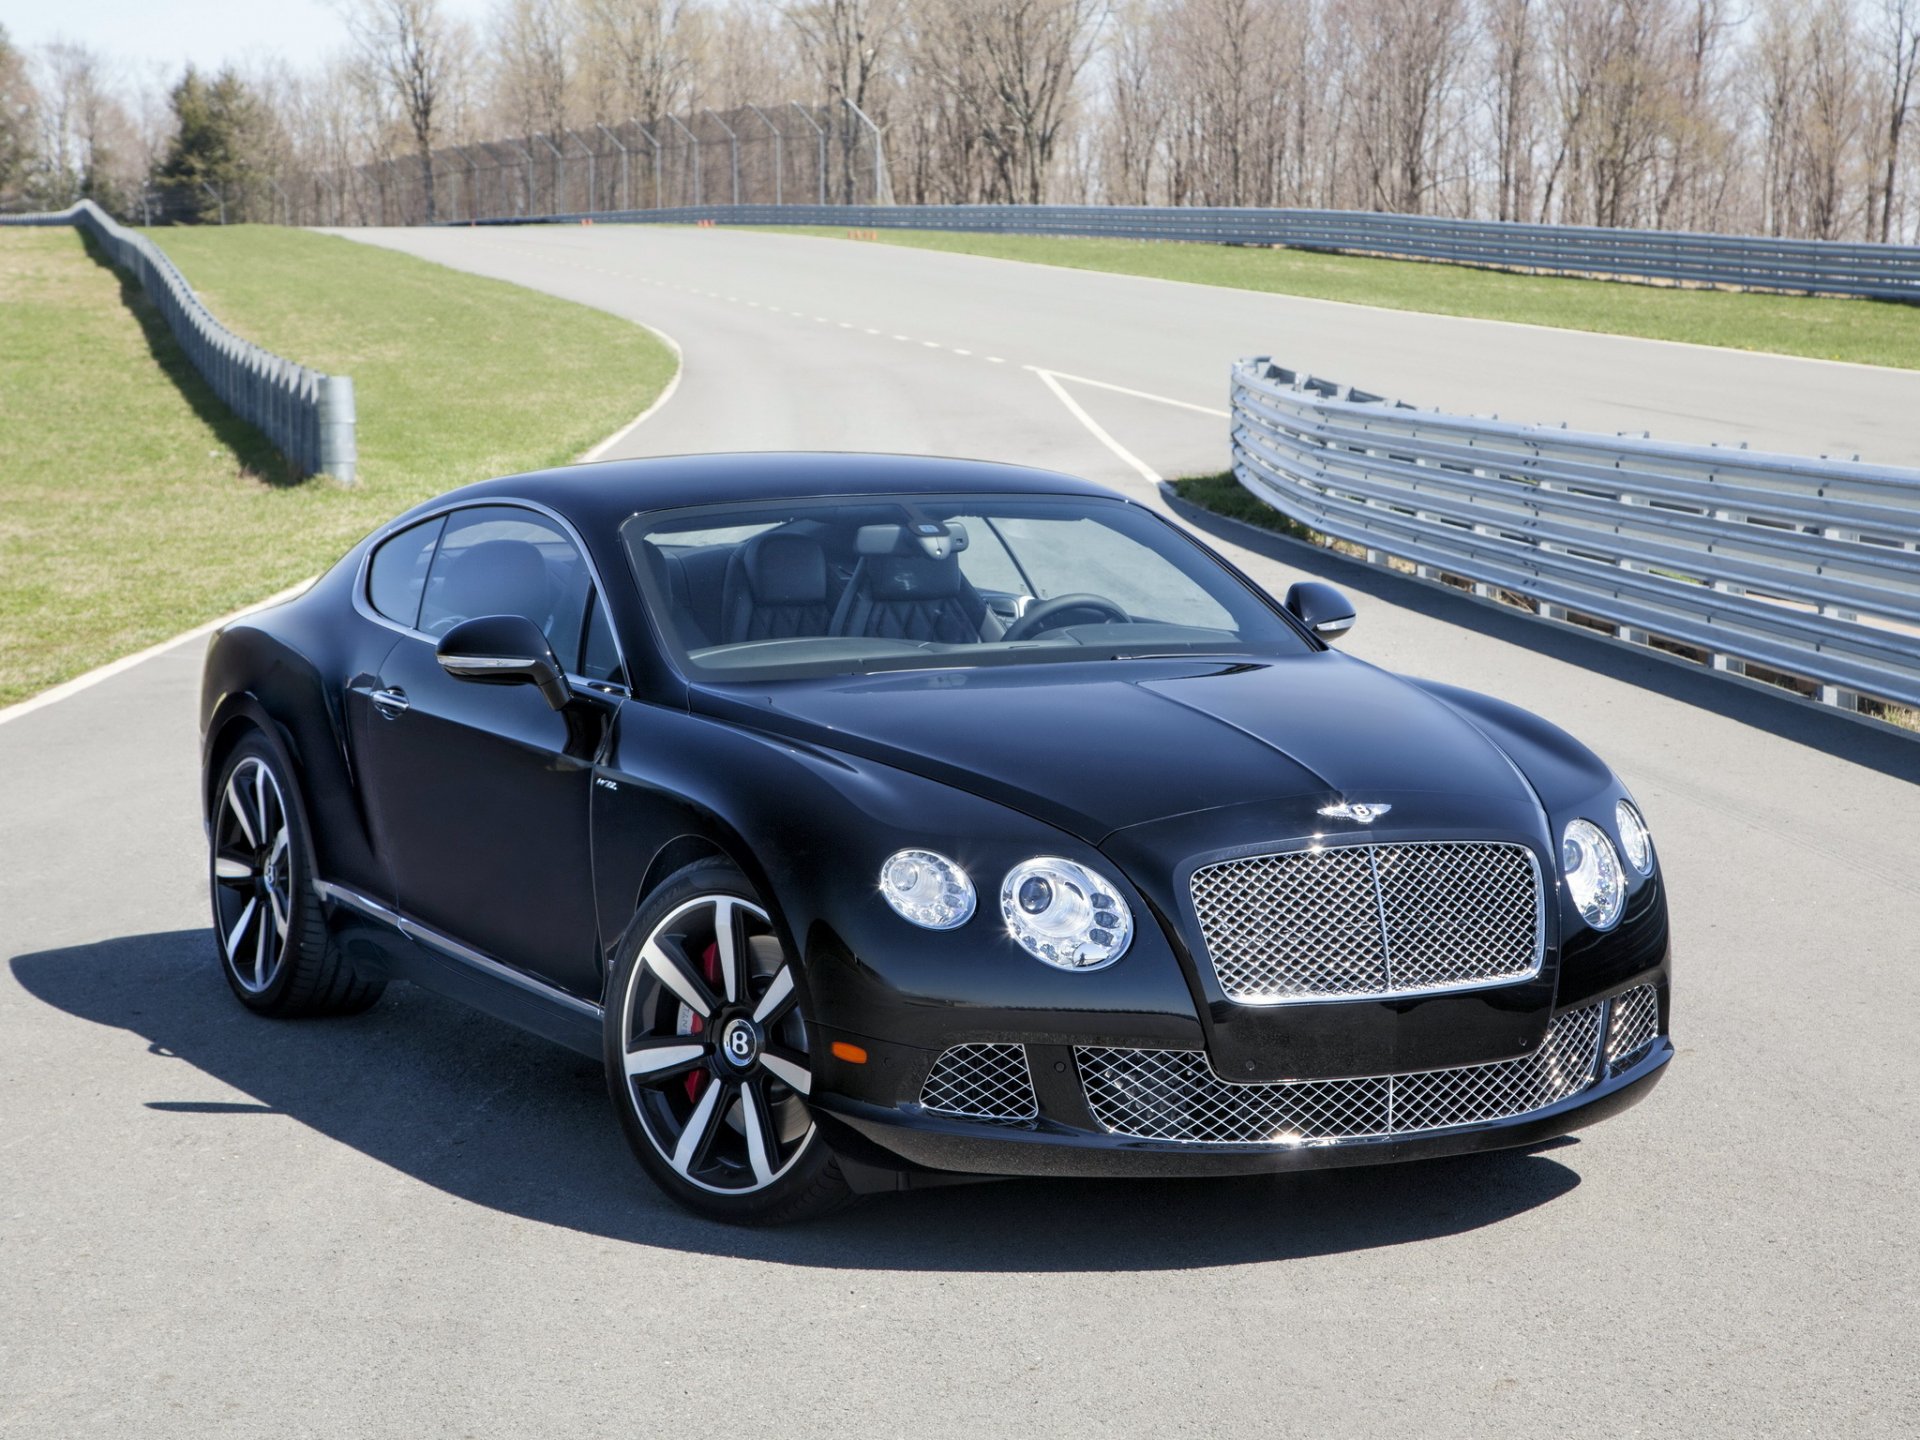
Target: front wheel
707 1056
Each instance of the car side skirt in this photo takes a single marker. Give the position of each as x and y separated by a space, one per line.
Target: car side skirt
447 966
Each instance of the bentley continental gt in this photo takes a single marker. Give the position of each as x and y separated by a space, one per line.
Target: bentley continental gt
878 820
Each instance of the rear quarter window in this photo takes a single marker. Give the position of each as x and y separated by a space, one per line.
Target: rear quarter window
397 577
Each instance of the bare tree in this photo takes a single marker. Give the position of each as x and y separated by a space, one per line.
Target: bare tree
1898 45
1832 117
1511 28
1409 54
18 103
638 57
419 57
531 53
1137 106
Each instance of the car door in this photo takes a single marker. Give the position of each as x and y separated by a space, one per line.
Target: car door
480 794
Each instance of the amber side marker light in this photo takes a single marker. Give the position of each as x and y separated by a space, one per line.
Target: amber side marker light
852 1054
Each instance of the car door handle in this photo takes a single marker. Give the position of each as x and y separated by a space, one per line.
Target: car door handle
390 703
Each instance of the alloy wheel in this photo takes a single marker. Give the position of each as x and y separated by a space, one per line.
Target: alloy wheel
253 876
714 1046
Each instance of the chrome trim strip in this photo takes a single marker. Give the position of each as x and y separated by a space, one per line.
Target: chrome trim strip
453 949
365 606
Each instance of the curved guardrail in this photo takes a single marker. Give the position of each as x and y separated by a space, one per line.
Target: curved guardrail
309 417
1818 267
1808 569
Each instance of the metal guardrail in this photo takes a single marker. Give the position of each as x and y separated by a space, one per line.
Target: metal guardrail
308 416
1806 568
1819 267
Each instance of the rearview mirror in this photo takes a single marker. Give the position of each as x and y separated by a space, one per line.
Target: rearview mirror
1321 608
504 650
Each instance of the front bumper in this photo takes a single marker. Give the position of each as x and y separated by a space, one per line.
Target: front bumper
1074 1129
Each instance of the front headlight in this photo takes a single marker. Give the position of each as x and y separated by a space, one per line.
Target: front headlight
1633 837
1594 878
927 888
1065 914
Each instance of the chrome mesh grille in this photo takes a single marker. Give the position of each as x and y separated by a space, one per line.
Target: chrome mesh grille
1635 1022
982 1082
1355 921
1174 1094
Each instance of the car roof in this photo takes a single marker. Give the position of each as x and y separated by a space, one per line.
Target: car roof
607 492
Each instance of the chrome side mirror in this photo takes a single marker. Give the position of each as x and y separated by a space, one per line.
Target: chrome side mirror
504 650
1321 608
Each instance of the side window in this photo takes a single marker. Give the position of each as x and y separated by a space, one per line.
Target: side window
502 560
599 656
398 575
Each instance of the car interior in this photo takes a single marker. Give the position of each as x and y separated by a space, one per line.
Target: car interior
863 582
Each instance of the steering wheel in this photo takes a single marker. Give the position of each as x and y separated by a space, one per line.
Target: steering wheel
1040 616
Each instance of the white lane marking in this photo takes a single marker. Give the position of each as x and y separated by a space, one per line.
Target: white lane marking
931 344
898 337
844 324
127 662
1140 467
679 369
958 351
873 332
1137 394
994 360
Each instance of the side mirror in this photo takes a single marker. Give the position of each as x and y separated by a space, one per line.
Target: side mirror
1321 608
504 650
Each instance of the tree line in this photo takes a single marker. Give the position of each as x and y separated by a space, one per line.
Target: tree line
1779 117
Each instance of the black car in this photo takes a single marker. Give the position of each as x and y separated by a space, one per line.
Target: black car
880 819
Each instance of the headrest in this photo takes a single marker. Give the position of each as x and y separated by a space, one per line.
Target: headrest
668 573
786 569
499 577
913 577
922 537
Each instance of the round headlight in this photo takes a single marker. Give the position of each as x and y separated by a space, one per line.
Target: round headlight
1065 914
1634 839
927 889
1594 878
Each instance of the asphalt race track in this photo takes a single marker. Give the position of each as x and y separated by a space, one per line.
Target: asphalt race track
419 1222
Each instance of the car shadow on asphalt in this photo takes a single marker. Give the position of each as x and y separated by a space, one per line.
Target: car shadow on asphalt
1777 713
474 1108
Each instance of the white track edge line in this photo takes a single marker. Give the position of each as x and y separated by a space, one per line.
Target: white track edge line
112 668
1139 466
679 368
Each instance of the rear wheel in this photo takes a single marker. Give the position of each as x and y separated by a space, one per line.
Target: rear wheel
268 927
707 1056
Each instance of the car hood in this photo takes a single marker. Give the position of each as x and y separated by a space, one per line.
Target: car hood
1100 746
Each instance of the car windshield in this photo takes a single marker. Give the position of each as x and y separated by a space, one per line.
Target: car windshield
782 589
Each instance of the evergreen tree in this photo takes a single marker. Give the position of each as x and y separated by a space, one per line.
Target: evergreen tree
218 126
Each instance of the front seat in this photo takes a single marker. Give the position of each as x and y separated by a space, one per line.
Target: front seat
775 589
497 577
908 586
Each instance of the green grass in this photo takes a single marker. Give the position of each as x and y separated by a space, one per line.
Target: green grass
1868 332
133 506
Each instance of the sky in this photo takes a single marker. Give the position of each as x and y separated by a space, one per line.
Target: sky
164 35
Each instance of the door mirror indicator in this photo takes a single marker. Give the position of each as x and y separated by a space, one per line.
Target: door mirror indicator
504 650
1321 608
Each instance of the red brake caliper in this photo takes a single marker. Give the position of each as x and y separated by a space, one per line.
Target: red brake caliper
710 970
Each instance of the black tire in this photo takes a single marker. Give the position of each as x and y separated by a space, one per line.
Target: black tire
756 1158
269 931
